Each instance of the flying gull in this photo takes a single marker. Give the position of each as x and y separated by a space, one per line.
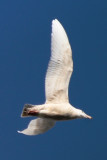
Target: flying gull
57 106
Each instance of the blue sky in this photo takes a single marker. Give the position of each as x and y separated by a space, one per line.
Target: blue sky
25 28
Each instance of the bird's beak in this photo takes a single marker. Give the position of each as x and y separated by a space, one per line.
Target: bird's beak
87 116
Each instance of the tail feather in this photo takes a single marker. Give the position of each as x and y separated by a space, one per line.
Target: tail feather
25 110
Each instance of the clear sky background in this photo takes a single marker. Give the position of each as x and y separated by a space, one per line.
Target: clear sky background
25 28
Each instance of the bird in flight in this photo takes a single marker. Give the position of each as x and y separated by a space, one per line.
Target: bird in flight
57 106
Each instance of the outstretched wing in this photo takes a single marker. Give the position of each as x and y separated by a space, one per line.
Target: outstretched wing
38 126
60 66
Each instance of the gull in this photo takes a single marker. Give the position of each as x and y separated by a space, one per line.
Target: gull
57 106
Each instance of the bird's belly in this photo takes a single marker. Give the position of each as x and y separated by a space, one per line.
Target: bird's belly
57 112
52 115
57 117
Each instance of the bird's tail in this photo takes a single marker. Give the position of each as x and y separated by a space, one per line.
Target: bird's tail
26 109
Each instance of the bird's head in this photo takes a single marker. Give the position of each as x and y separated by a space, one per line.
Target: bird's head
83 114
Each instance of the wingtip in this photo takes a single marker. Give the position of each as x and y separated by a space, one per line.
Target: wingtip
55 21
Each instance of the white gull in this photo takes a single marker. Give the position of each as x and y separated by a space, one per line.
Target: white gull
57 106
